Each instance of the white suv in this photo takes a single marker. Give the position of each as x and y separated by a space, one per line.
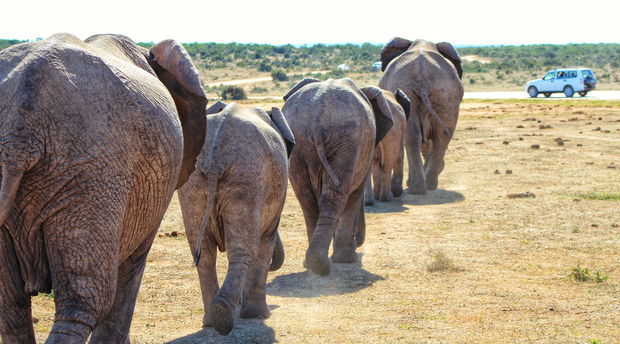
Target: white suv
567 80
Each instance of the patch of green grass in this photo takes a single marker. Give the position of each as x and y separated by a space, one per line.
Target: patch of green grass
601 196
583 274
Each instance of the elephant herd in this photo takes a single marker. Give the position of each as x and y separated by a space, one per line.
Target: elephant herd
96 136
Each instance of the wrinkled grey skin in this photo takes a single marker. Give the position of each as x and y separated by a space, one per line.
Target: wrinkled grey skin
91 147
336 126
430 75
385 178
235 198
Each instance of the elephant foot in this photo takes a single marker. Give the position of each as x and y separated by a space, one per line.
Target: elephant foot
250 310
344 256
369 201
221 315
397 191
386 198
431 185
417 189
319 264
61 338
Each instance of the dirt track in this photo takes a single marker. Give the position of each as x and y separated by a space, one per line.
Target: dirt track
513 257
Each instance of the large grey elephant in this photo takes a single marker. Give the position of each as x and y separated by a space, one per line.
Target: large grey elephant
94 137
385 178
430 75
336 126
233 202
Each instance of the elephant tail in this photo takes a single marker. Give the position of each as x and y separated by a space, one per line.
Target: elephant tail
320 151
11 179
427 102
211 187
277 258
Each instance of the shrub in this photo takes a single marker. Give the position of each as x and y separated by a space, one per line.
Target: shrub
441 262
279 75
233 92
580 274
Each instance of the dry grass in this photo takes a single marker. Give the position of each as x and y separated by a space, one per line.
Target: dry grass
517 254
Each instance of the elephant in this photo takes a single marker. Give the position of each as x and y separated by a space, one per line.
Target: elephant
232 202
336 126
430 75
95 136
387 167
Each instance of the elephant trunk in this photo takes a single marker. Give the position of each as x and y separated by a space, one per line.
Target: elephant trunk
11 179
277 258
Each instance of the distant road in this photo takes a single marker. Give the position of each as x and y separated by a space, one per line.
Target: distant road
255 80
596 95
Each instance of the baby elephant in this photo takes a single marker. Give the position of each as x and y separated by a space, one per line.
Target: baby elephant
386 174
233 202
336 125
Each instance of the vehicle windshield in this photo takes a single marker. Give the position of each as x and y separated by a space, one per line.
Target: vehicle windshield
587 73
549 76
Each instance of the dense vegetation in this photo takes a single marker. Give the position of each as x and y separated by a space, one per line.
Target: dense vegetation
498 62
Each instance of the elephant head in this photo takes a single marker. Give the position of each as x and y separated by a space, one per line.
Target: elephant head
175 70
399 45
381 111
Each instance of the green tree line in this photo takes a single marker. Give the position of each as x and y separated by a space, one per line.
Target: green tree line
266 57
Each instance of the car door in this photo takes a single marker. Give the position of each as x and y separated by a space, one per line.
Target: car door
547 82
573 80
561 80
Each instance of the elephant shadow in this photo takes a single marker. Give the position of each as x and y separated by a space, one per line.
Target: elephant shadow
434 197
343 279
245 331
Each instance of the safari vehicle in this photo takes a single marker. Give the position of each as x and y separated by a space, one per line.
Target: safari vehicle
567 80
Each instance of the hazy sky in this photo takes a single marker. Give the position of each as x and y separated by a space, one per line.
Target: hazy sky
474 22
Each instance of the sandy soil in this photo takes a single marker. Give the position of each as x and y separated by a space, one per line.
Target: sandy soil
512 257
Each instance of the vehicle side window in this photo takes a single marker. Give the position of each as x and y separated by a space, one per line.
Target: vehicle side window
586 74
572 74
549 76
561 75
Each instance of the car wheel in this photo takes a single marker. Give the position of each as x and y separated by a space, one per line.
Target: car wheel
583 93
569 91
532 91
547 94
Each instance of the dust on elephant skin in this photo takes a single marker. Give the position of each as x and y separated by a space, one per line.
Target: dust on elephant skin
77 211
430 75
336 125
233 202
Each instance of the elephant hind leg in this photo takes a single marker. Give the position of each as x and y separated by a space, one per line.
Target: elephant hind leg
435 163
397 174
114 328
254 303
16 317
242 228
344 241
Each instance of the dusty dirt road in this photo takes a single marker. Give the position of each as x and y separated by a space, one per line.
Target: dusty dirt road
512 257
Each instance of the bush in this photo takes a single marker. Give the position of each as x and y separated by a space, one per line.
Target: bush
279 75
264 67
583 274
233 92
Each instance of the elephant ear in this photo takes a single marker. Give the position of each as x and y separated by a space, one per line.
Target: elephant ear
175 70
381 110
404 102
447 50
392 50
285 131
299 85
217 107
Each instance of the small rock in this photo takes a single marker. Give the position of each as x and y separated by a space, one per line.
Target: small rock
506 142
535 146
600 118
520 139
174 234
560 143
577 200
579 145
542 126
520 127
552 309
35 320
614 225
611 166
597 129
526 194
594 225
479 143
496 172
508 171
589 163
